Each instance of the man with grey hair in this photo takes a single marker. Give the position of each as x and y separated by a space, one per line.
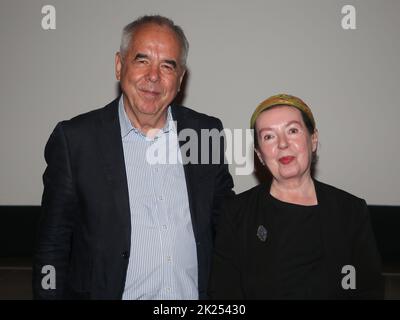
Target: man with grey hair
114 225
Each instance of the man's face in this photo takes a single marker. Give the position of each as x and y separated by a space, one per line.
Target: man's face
150 73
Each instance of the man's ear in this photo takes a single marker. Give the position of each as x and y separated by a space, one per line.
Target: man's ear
118 65
181 79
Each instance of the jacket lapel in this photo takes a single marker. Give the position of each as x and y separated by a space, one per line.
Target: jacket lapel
182 122
110 143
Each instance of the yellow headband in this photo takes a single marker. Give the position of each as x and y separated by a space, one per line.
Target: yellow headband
281 100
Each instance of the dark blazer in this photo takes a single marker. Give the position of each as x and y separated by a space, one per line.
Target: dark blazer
243 266
85 227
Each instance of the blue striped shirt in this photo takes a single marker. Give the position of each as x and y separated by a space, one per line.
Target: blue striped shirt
163 258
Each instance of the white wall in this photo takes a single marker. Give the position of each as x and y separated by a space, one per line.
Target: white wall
241 52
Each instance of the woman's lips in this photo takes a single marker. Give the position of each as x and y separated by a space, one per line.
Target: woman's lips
286 160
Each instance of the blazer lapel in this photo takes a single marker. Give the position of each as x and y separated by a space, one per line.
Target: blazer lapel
110 143
182 123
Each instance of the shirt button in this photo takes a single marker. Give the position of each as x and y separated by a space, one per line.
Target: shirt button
168 289
169 258
164 227
160 198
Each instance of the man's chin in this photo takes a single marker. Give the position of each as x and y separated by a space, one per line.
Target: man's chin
151 111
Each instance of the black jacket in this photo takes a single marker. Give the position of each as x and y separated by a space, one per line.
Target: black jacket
85 225
243 266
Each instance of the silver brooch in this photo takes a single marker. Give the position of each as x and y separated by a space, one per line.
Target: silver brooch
262 233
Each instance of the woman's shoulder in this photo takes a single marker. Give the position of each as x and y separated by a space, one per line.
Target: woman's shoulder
238 206
334 191
250 193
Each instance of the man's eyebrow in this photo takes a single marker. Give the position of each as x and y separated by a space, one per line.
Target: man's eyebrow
171 62
168 61
140 56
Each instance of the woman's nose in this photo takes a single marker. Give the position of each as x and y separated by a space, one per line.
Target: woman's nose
283 143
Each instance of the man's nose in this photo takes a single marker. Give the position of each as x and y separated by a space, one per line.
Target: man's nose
154 73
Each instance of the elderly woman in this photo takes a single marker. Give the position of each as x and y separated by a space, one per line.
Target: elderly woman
295 237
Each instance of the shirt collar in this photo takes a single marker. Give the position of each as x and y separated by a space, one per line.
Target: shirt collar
126 125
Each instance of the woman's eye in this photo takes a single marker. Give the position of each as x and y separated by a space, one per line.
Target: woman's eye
293 130
268 137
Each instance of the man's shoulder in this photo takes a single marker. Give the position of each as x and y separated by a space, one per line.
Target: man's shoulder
205 120
84 119
88 125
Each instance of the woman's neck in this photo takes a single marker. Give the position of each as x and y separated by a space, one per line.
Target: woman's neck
300 191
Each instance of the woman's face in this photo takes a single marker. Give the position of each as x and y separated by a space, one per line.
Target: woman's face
284 144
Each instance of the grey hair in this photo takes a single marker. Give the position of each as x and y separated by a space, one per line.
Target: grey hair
129 32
